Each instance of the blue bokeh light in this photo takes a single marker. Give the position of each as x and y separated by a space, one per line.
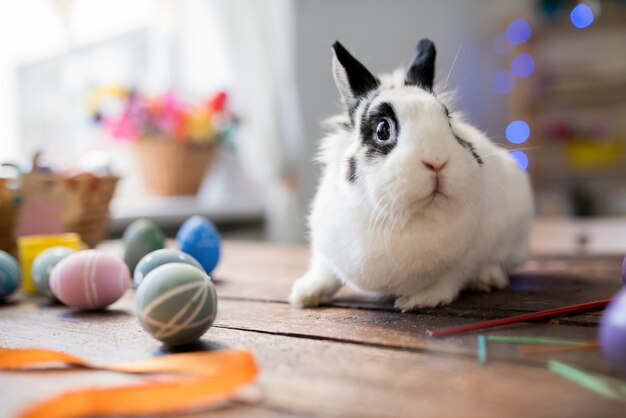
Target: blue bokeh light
522 65
517 132
581 16
518 31
521 158
503 82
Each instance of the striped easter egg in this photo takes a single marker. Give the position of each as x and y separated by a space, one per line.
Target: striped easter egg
176 303
89 279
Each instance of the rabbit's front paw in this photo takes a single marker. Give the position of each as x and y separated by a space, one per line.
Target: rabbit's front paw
427 298
490 277
310 290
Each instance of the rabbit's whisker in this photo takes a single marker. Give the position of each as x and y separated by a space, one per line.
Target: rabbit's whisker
451 67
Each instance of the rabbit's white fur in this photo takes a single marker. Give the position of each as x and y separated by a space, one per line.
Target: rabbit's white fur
388 234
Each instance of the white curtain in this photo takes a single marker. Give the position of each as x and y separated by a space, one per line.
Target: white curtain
253 44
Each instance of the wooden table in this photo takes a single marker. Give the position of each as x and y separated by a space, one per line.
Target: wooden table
356 358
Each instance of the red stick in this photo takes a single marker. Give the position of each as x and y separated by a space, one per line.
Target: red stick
583 307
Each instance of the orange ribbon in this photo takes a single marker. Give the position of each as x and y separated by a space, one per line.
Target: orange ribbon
203 379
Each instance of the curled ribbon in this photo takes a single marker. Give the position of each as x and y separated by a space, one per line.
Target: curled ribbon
203 378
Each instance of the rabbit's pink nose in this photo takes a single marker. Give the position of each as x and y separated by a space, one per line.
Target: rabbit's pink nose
435 167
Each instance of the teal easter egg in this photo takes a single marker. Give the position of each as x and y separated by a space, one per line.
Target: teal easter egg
43 264
141 238
176 303
9 275
158 258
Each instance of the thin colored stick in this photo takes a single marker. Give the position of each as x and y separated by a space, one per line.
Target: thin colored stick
482 349
602 385
528 351
583 307
533 340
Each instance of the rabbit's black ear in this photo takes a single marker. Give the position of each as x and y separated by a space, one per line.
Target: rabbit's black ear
421 72
352 78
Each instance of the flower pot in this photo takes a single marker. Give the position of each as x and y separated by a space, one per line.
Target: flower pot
170 168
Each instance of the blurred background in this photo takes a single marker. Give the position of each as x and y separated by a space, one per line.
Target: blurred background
114 110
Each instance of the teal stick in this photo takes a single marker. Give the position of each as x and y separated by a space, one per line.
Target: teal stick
533 340
482 349
602 385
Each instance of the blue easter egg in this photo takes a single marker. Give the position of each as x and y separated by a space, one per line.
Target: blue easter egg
9 275
199 238
158 258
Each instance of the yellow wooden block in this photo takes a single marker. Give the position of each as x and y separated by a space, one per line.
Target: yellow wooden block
29 247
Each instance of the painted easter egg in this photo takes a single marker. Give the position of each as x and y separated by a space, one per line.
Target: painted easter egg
158 258
43 265
176 303
199 238
613 331
9 275
141 238
89 279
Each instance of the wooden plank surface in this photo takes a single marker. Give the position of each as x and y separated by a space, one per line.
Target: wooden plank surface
354 357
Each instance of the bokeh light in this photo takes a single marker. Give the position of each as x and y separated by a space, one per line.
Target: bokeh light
522 65
518 31
581 16
503 82
521 158
517 132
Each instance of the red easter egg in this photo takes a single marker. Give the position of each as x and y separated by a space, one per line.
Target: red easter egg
89 279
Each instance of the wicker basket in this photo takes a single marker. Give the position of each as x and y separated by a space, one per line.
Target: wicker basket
170 168
54 204
10 203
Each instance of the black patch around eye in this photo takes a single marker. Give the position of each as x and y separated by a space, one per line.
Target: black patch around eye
351 174
470 147
369 123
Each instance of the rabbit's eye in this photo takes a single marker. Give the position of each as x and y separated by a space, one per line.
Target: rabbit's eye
380 130
383 130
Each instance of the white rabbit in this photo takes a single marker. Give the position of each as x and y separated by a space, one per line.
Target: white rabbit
413 202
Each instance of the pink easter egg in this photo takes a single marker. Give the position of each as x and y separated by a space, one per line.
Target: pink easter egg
89 279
